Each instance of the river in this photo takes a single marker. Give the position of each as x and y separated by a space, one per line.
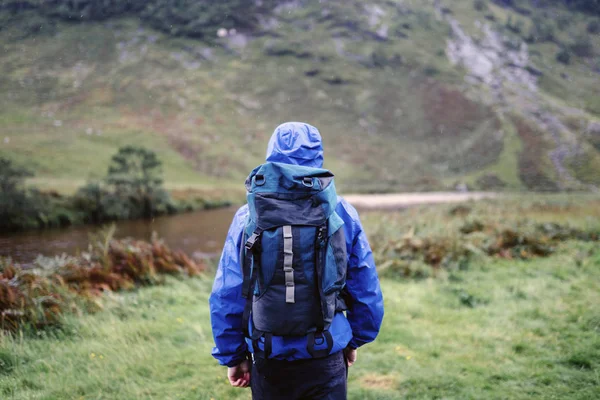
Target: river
198 233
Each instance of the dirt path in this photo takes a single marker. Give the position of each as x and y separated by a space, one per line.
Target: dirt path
401 200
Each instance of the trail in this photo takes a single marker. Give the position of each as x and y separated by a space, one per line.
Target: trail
402 200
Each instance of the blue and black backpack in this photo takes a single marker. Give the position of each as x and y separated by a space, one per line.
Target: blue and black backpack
294 257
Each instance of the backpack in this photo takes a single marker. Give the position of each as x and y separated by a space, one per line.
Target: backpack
294 256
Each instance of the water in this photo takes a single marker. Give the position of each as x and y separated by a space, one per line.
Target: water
198 233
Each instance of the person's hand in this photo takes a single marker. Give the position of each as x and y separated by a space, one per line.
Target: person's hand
350 354
239 376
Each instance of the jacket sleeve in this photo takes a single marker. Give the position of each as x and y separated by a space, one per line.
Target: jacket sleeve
366 311
226 301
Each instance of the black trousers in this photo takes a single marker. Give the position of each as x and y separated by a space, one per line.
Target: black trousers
318 378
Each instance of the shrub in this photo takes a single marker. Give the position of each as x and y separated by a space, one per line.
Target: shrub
132 189
563 56
89 200
582 46
480 5
563 21
516 26
590 6
38 296
135 175
12 178
18 208
406 256
380 59
194 18
593 27
542 30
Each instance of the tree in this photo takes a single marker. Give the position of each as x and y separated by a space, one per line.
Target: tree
12 178
194 18
89 200
17 210
136 173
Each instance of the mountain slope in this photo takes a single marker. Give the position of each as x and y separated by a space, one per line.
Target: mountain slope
408 95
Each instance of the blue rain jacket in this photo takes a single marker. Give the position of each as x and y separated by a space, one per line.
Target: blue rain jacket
300 144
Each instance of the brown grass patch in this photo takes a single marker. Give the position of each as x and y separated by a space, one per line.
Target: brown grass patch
451 109
533 162
381 382
38 296
418 256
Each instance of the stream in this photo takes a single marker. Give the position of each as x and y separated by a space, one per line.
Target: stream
198 233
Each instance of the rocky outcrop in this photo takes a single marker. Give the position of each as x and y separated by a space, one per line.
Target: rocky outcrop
503 67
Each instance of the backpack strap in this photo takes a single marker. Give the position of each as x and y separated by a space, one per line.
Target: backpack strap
310 344
256 336
320 244
250 272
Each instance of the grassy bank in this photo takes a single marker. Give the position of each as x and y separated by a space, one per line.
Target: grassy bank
132 189
497 327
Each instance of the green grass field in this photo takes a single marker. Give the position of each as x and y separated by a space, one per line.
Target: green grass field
496 329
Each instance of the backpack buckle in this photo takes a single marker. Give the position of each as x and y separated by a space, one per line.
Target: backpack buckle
308 182
251 241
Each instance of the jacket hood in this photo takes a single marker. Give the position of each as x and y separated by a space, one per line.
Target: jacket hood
296 143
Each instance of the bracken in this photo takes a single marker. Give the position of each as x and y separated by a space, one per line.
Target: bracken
40 294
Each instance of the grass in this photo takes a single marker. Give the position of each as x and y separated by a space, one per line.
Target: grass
155 343
498 329
77 92
506 167
521 336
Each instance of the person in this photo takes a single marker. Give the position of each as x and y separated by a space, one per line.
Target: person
290 371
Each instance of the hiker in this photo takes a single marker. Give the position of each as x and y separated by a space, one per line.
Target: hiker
295 259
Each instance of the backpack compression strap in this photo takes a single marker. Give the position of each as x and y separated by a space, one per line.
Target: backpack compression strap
250 273
320 243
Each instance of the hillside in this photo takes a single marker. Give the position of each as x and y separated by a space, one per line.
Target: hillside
409 95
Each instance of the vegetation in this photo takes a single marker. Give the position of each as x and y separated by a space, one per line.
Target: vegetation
113 80
427 242
14 202
593 26
480 5
582 46
187 17
563 56
132 189
523 6
542 30
493 328
591 6
39 296
25 208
